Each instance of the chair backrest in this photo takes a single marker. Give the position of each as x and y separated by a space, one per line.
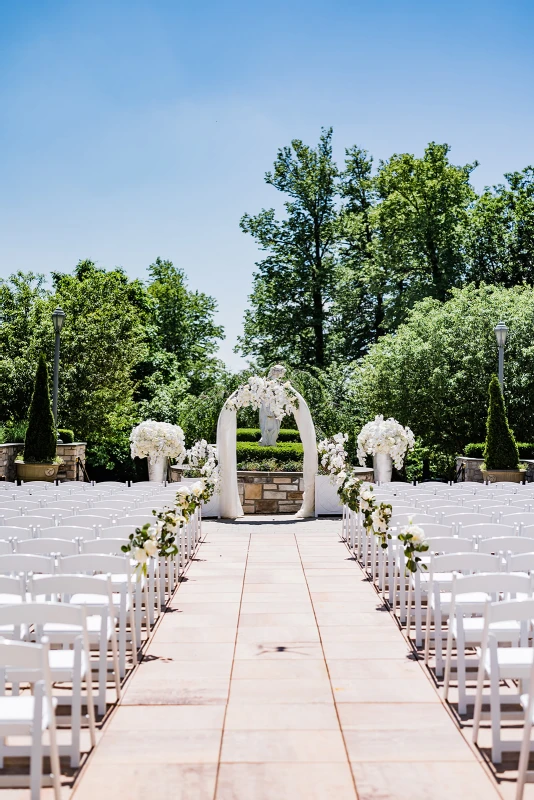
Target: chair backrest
94 562
487 530
68 532
15 563
6 546
22 503
136 521
493 583
466 518
517 517
104 546
510 610
110 504
13 586
47 547
417 517
448 544
9 513
521 562
447 509
64 586
21 534
72 504
118 532
465 562
526 531
25 655
436 529
39 614
85 521
50 512
504 544
29 521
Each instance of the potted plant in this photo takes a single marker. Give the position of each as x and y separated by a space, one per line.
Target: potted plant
40 461
501 456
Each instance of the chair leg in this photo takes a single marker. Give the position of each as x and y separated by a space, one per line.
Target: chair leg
462 677
54 757
525 755
76 718
448 665
90 705
478 699
496 745
36 759
102 680
116 670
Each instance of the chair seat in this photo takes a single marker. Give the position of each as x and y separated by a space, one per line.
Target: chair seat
507 631
18 712
8 631
514 662
10 599
467 600
94 626
96 600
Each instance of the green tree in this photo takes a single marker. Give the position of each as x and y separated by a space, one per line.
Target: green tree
290 317
500 451
433 373
41 436
422 216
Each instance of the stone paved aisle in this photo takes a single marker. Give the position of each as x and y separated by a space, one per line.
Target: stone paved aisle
274 676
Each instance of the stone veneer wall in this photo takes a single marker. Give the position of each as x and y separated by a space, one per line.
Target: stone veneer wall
67 471
472 468
270 492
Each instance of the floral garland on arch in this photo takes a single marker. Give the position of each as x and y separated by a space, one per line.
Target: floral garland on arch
152 439
279 397
359 496
385 436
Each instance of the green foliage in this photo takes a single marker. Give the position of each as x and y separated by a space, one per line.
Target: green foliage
283 451
254 434
66 435
500 451
13 431
41 437
434 372
476 450
424 463
271 465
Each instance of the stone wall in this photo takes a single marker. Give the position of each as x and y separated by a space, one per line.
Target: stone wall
8 454
270 492
67 471
473 473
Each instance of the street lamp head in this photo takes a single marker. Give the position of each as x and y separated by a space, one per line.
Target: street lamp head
58 318
501 332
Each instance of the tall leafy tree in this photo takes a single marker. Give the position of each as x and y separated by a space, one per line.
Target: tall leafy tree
290 316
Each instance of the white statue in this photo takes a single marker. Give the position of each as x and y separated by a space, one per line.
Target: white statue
269 425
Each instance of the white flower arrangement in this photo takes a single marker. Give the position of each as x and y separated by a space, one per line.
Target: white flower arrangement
413 538
334 456
279 397
154 439
385 436
201 459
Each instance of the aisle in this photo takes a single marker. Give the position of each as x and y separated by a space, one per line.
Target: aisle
274 676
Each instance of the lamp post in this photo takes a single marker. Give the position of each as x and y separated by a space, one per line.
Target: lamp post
58 318
501 332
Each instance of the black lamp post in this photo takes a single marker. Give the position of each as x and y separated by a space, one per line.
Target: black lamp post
501 332
58 318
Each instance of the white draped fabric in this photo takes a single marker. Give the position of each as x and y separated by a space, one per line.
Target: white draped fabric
230 504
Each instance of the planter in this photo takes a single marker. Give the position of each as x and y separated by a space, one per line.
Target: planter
157 468
510 475
209 509
36 472
382 467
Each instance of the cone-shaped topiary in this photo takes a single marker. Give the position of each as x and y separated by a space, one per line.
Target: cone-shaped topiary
41 438
500 450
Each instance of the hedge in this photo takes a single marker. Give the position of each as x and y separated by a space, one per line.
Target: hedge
66 435
477 450
285 451
254 435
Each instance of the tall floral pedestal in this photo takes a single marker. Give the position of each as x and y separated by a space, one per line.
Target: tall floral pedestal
157 468
382 467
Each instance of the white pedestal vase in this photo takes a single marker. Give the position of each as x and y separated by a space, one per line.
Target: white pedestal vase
383 467
157 468
327 500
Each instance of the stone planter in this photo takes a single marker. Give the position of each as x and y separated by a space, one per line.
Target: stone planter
474 473
510 475
36 472
327 501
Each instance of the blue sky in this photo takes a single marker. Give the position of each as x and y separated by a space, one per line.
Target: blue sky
132 129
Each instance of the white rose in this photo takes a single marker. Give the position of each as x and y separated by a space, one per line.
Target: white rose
184 491
197 489
140 555
151 547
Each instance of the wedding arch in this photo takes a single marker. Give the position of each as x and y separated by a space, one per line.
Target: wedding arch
278 399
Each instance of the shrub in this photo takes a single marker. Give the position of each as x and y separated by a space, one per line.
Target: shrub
13 431
500 451
41 438
476 450
254 435
285 451
66 436
271 465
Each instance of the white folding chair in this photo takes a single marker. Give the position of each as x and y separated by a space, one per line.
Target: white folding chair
48 547
29 715
15 563
502 663
466 630
66 665
68 532
100 620
506 544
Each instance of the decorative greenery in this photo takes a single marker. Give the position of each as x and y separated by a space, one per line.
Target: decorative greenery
271 465
254 434
284 451
500 451
476 450
413 538
66 435
41 436
152 540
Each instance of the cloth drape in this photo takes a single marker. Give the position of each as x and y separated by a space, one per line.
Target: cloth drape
230 504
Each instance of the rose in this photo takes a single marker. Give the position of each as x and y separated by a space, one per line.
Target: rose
379 523
140 555
151 547
197 489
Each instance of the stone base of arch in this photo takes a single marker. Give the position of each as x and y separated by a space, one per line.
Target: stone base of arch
270 492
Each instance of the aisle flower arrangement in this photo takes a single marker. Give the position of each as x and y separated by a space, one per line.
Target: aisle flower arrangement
153 539
413 538
279 397
333 456
152 440
385 436
201 462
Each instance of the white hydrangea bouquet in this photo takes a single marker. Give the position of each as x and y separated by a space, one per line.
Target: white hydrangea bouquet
413 538
157 439
334 457
385 436
279 397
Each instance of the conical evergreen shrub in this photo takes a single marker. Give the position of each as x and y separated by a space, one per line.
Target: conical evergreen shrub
41 437
500 450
